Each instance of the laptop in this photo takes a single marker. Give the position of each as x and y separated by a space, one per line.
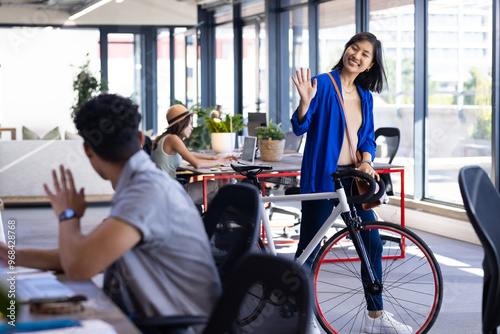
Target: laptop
249 148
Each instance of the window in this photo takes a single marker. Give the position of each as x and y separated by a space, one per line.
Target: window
43 100
333 34
393 107
224 67
459 94
163 64
298 49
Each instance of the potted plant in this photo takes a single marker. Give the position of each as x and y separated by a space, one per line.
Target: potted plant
86 85
223 130
271 141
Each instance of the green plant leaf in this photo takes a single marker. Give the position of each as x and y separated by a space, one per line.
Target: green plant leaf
272 131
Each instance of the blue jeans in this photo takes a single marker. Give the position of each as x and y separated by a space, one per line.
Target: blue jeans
315 213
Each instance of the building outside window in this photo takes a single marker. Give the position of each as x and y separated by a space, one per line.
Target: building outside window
394 106
458 129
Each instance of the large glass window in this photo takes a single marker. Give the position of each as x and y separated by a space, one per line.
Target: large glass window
250 69
459 93
224 67
254 68
180 64
394 106
192 67
298 49
163 64
125 65
333 34
38 66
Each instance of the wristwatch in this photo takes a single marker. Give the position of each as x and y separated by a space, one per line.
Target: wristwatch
68 214
368 162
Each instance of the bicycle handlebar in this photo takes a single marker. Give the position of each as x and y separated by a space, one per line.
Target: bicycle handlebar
370 195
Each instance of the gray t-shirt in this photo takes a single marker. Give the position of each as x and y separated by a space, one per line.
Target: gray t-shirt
171 271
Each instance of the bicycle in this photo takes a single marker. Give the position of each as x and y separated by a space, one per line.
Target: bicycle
412 284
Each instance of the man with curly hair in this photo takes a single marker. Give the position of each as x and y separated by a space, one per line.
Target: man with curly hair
153 247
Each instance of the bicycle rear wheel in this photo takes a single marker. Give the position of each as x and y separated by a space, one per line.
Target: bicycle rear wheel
412 281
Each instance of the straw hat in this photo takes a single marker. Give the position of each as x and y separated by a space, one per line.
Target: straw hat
177 113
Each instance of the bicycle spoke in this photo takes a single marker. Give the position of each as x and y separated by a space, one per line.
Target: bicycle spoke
411 279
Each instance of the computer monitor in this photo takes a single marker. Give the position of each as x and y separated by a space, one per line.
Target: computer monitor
255 119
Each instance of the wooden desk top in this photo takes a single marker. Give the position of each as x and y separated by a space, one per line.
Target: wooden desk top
289 163
97 306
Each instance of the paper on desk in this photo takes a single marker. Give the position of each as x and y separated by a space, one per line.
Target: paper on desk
94 326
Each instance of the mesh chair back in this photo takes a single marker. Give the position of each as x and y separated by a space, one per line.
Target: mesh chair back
387 143
232 223
286 293
482 203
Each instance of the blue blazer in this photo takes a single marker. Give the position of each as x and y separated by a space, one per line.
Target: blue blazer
325 126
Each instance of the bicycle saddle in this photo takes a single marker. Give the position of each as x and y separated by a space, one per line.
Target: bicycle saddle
240 168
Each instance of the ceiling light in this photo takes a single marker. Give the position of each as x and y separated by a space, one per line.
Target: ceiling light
88 9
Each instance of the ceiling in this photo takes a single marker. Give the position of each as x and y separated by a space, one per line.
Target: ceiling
69 6
125 12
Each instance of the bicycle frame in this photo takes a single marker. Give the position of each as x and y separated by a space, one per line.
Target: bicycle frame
342 207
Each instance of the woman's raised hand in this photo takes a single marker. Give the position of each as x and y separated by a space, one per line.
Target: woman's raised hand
306 90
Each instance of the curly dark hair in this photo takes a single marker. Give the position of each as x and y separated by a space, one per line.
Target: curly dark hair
374 79
109 124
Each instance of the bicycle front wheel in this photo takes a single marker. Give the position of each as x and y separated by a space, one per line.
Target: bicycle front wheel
411 278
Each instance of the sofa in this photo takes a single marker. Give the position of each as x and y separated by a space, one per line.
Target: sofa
25 165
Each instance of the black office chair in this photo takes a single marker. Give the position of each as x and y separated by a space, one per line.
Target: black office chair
482 203
232 222
386 151
288 184
287 301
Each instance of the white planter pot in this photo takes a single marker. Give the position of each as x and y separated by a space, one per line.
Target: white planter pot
223 142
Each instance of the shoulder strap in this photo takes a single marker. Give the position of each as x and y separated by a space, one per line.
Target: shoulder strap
353 151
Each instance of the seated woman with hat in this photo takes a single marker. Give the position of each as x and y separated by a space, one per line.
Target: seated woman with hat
169 150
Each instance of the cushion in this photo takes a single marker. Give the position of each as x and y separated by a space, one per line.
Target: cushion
71 135
52 134
29 134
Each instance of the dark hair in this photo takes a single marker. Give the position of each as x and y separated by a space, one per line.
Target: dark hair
374 79
109 124
175 129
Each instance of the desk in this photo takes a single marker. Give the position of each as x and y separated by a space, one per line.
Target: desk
289 166
386 168
12 132
98 306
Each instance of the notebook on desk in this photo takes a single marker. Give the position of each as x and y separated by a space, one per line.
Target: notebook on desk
42 288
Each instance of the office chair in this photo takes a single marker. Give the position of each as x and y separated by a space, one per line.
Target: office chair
387 150
482 203
287 309
287 183
232 223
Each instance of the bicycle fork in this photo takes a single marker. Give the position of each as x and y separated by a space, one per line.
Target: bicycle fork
352 222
